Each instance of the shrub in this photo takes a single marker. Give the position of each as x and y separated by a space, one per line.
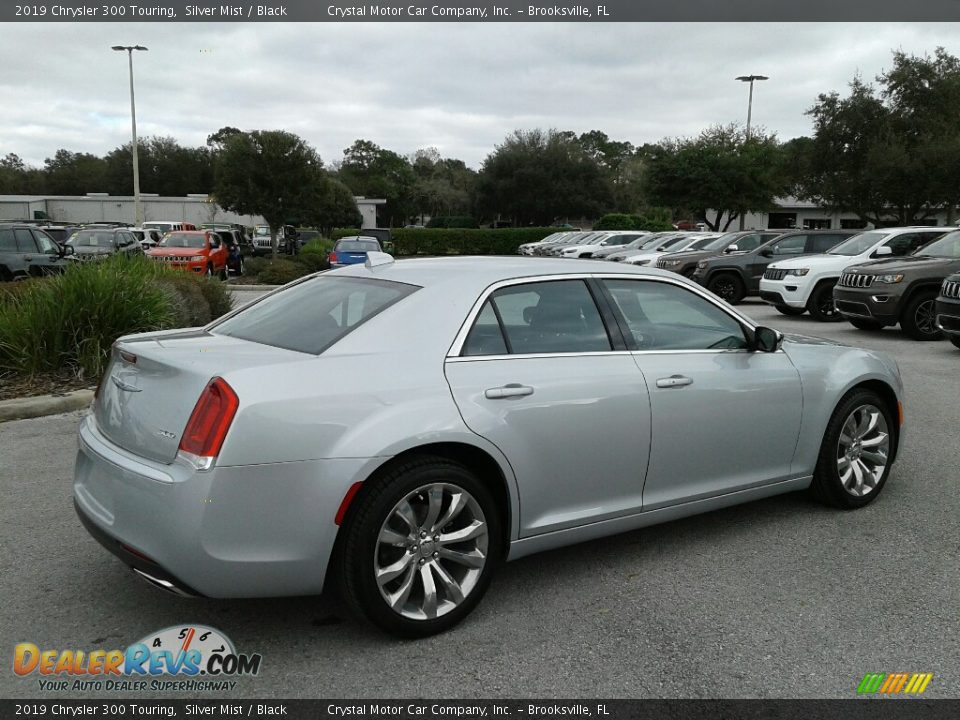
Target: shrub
217 296
656 220
253 265
70 321
280 272
314 262
187 302
453 221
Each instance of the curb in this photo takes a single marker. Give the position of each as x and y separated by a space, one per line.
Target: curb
31 407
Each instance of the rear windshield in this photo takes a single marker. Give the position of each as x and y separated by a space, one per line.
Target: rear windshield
183 240
312 315
358 246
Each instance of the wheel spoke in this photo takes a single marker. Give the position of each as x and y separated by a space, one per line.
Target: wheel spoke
389 536
457 503
394 570
404 511
397 598
434 505
874 419
862 423
472 559
450 586
876 458
877 440
471 531
868 478
858 472
429 591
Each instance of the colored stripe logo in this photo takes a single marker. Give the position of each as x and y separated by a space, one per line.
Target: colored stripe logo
894 683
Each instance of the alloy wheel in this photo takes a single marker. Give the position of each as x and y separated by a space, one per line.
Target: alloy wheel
431 551
925 316
863 450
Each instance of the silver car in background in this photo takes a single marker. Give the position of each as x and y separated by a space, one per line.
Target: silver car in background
398 429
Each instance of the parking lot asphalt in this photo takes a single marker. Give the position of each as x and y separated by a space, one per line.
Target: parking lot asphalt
776 598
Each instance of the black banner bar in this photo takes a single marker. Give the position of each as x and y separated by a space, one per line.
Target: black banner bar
587 11
855 709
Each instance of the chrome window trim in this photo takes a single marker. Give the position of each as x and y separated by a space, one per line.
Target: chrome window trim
456 348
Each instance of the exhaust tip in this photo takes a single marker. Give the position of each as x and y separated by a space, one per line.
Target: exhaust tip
161 584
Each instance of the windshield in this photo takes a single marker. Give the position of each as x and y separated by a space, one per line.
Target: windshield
701 244
671 242
858 243
261 231
358 246
335 306
162 227
947 247
721 242
183 240
92 238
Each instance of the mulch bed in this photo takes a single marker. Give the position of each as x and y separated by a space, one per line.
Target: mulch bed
13 386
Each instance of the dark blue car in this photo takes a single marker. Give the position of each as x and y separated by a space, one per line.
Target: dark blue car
353 250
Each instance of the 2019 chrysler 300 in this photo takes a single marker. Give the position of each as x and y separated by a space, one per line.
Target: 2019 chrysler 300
483 409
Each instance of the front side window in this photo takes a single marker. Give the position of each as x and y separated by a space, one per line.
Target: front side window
664 316
748 242
45 242
25 240
557 316
792 245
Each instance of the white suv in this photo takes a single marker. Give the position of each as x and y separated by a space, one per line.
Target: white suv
613 239
806 283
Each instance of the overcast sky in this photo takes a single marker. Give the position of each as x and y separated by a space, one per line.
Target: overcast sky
459 87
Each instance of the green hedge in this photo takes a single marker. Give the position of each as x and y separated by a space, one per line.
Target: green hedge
655 222
459 241
453 221
70 321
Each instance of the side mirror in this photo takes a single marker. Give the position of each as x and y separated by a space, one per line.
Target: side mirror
766 339
767 252
732 248
883 250
67 250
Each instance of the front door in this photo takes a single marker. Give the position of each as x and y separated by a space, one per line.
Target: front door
723 418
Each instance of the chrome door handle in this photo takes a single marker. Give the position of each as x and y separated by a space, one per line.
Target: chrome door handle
507 391
674 381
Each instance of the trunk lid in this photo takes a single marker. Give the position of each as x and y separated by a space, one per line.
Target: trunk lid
154 381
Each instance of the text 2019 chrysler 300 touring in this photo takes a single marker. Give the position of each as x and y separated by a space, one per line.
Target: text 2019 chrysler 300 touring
428 419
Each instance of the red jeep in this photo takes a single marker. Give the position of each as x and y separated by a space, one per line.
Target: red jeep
197 251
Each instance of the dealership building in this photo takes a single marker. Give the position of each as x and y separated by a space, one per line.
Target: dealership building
101 207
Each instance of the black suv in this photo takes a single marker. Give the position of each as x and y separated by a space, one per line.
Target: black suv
948 308
901 290
735 275
685 262
26 251
100 242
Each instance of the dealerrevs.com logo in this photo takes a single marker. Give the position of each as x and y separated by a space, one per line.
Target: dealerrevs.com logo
900 683
184 657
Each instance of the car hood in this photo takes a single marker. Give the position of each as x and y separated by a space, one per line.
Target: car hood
167 251
823 260
809 340
908 263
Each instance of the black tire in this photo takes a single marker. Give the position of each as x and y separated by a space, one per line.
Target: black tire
787 310
955 339
865 324
224 274
827 486
919 317
821 305
209 272
240 267
728 286
358 552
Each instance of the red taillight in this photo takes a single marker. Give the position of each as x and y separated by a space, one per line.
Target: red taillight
210 420
333 257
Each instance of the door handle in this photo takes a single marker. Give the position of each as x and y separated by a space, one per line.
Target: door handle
507 391
674 381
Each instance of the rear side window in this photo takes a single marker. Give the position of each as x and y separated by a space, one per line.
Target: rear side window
547 317
25 240
314 314
7 241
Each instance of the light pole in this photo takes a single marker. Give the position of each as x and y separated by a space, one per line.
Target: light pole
137 211
749 79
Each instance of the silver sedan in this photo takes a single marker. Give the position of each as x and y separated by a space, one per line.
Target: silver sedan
398 429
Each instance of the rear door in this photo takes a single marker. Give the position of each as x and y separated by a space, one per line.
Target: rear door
11 256
540 377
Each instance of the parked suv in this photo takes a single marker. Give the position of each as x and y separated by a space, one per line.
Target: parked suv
685 261
899 290
196 251
99 243
27 251
948 309
796 285
735 275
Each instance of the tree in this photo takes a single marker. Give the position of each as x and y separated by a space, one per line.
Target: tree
369 170
893 151
272 173
166 168
537 176
337 207
720 170
69 173
443 186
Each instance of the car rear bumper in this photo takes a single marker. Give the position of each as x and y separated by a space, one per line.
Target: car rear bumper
948 316
239 531
864 304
